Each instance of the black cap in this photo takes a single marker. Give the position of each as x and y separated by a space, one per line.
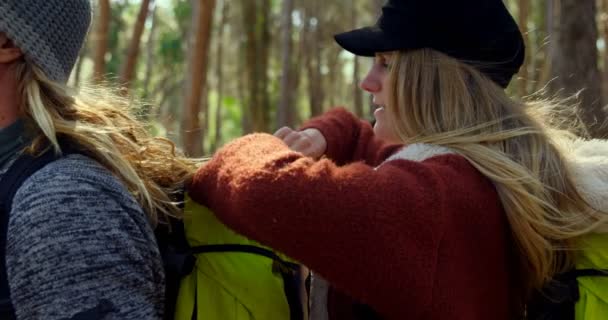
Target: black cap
481 33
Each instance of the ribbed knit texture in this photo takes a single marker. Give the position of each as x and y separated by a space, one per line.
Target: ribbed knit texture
49 32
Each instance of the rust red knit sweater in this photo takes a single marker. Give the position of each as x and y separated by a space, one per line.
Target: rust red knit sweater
414 240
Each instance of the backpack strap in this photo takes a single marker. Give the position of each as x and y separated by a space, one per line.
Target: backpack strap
23 167
557 299
289 271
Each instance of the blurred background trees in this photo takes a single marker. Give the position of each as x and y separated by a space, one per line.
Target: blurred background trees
211 70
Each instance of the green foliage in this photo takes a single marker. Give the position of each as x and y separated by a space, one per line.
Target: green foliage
315 23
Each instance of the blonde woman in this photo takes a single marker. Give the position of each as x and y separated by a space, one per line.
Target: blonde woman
477 211
79 242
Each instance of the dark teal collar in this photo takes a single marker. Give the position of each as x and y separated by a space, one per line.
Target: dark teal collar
11 142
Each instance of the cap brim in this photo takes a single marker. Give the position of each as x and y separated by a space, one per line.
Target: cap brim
366 41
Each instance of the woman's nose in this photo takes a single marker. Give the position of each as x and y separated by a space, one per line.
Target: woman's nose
371 83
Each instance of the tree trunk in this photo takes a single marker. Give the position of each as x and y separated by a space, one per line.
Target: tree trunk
101 41
524 9
285 110
257 26
546 71
128 69
197 78
604 24
250 25
313 35
262 115
575 62
357 93
219 74
150 46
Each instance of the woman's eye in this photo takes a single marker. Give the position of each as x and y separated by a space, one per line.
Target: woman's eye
383 63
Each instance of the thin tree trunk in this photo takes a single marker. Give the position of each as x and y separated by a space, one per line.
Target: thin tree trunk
262 118
524 9
316 95
285 110
219 74
576 61
604 24
128 69
191 124
250 25
101 41
150 46
357 94
546 71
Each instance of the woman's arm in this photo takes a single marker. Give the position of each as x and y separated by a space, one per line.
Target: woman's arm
367 230
80 247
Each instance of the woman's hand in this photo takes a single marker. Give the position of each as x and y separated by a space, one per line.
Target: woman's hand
309 142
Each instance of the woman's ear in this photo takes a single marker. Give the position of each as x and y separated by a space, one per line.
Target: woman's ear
8 51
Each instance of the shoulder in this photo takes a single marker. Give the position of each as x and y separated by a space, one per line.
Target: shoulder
75 192
435 158
74 177
460 180
72 174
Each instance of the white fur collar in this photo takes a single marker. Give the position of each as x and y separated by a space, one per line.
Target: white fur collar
419 152
588 162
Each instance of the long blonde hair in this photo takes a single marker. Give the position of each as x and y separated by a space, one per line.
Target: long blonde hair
98 123
439 100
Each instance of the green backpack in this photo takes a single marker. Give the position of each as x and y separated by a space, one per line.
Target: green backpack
218 274
582 293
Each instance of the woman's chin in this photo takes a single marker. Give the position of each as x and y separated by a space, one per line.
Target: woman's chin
379 112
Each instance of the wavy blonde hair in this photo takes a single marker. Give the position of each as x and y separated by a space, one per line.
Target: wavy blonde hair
438 100
97 122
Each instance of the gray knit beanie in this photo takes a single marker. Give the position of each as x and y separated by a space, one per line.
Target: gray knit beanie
49 32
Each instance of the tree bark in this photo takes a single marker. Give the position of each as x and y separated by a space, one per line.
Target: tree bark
285 110
251 43
524 9
575 61
101 41
219 74
357 93
193 135
150 46
314 60
128 69
604 26
262 115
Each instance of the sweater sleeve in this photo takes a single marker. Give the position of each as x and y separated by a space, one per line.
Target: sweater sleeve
350 139
80 247
352 224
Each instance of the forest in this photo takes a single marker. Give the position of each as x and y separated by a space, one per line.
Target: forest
208 71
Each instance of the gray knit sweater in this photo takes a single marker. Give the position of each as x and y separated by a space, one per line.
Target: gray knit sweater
80 247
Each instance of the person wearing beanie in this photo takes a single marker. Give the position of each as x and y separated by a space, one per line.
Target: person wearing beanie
458 204
78 241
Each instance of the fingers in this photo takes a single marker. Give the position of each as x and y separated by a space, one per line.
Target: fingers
292 138
309 142
301 145
283 132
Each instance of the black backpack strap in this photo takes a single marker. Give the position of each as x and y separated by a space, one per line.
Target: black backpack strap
557 299
289 271
23 167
